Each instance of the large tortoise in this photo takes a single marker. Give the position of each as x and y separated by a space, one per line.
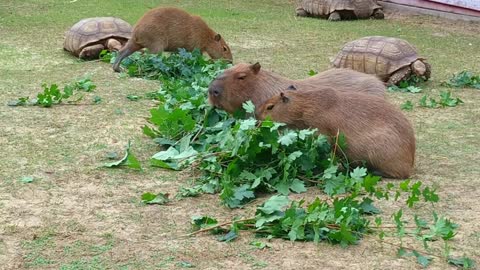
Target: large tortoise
88 37
336 10
390 59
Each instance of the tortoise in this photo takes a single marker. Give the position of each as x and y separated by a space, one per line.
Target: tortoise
88 37
390 59
336 10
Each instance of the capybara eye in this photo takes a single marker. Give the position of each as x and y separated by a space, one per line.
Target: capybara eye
216 93
225 49
242 77
270 107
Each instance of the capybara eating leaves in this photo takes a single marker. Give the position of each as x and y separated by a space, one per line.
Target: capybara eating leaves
375 131
244 82
167 29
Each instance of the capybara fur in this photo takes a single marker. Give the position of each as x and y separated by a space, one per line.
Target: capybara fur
244 82
375 131
169 28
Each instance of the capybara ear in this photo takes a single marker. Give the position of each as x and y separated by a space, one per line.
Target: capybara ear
291 87
218 37
255 67
285 99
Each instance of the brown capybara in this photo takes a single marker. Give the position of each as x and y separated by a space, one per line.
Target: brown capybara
375 131
244 82
169 28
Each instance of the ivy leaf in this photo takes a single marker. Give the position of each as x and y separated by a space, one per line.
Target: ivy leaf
464 262
422 260
274 203
128 160
248 124
150 198
230 236
249 106
26 179
288 139
298 186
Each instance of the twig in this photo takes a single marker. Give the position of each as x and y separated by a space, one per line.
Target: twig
219 225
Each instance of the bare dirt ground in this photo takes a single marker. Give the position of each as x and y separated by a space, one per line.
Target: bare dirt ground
75 215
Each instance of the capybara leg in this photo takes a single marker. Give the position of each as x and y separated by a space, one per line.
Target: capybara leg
334 16
91 52
301 12
127 50
399 75
378 14
113 44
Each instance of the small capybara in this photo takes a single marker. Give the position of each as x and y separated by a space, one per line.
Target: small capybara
244 82
375 131
169 28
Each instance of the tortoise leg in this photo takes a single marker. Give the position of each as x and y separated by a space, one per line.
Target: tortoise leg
301 12
399 75
113 45
91 52
428 71
378 14
334 16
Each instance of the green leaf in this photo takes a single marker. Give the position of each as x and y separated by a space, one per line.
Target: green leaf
26 179
248 124
274 203
230 236
407 106
298 186
150 198
288 139
128 160
312 72
133 97
203 222
97 100
260 245
249 106
422 260
464 262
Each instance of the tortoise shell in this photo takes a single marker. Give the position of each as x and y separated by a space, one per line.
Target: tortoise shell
361 8
376 55
94 30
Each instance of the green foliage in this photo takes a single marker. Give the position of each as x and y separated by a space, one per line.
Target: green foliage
150 198
463 262
128 160
53 95
464 79
407 88
241 157
26 179
446 100
407 106
312 72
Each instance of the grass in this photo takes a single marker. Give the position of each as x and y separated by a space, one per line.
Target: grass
98 220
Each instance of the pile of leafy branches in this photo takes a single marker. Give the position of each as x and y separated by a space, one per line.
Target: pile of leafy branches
52 94
464 79
240 158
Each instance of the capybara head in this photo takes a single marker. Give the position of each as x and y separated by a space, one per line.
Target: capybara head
278 106
218 49
234 86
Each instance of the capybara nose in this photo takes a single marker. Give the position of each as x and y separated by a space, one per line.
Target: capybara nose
214 92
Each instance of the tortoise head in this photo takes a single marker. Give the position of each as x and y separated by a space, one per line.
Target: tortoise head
419 67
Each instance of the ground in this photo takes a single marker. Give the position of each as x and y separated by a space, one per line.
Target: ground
75 215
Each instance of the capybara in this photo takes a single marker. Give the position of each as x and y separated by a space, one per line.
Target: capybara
244 82
169 28
375 131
